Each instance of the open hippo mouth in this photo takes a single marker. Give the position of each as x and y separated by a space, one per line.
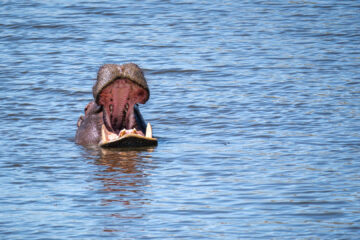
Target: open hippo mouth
118 90
119 101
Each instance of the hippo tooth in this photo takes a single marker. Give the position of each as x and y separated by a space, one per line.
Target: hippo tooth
122 132
107 136
148 131
104 138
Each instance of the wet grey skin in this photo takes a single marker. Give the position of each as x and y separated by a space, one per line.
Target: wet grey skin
89 126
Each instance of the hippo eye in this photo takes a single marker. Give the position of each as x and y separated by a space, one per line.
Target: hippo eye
86 108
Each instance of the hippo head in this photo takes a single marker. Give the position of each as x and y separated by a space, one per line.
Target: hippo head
113 119
118 90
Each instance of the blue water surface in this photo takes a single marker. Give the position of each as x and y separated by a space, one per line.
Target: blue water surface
256 105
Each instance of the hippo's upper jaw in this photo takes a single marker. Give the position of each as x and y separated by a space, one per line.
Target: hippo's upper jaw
121 115
117 92
118 101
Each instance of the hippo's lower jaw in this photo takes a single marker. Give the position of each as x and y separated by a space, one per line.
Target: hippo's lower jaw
127 138
107 136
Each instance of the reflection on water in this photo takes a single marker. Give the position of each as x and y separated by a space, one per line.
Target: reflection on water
120 182
122 175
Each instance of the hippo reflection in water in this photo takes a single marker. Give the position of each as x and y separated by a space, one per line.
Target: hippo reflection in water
114 114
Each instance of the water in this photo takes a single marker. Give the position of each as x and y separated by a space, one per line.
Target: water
255 104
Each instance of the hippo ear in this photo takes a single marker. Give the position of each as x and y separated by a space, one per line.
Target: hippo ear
110 72
92 108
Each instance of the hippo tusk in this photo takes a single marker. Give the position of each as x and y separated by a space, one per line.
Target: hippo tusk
148 131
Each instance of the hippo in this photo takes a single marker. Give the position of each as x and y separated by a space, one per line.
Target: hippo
113 118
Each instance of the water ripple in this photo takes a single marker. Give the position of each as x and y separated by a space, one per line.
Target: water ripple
255 105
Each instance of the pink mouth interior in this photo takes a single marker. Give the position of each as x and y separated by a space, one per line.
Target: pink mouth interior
118 100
